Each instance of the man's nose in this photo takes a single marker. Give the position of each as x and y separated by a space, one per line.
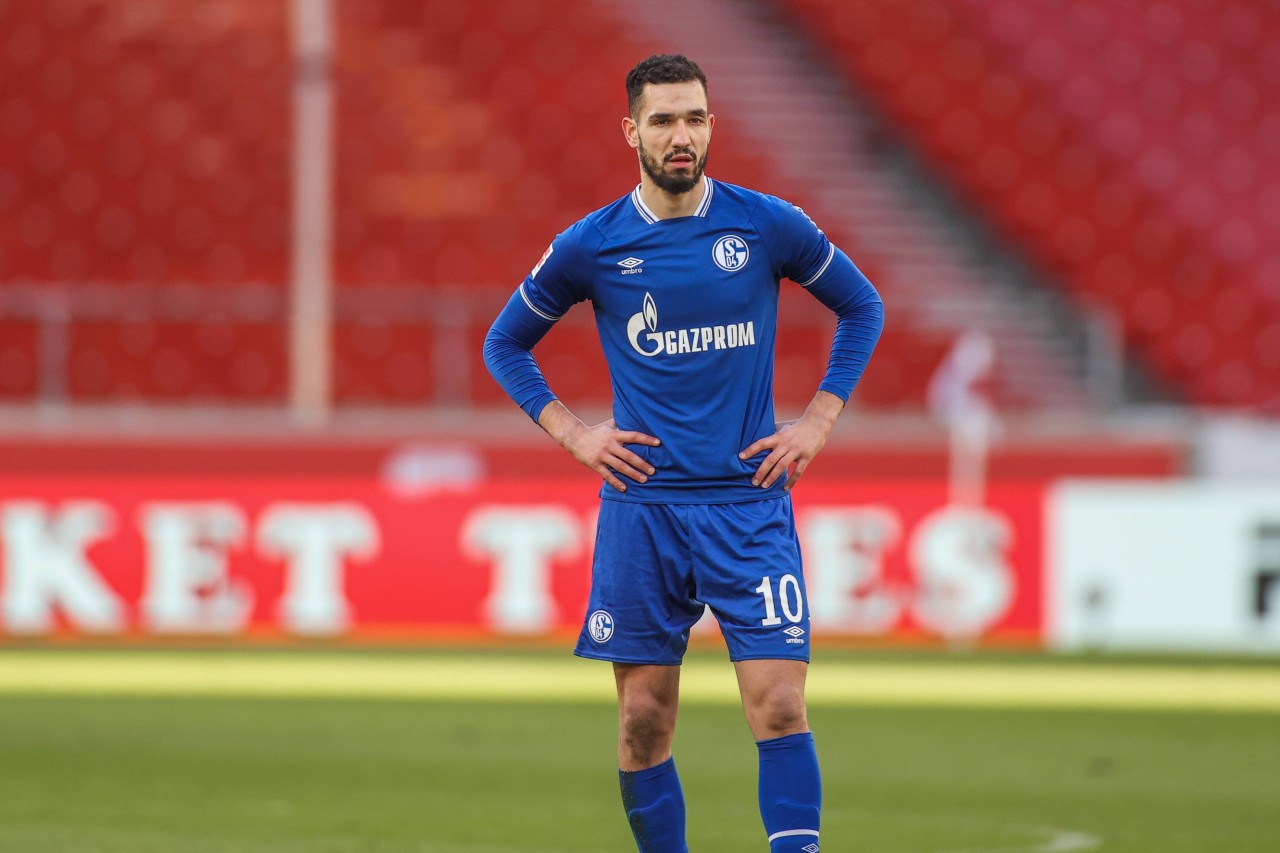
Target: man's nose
681 137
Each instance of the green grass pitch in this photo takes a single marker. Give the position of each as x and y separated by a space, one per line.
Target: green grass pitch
86 768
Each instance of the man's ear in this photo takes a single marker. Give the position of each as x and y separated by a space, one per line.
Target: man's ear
630 131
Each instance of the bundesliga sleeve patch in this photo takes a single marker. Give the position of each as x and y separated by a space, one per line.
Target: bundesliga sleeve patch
551 248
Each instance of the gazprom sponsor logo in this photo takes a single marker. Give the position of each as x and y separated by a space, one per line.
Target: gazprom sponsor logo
648 340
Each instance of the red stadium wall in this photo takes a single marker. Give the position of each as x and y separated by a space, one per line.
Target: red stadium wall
360 559
482 536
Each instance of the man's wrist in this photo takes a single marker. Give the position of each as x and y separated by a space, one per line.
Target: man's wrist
559 423
825 408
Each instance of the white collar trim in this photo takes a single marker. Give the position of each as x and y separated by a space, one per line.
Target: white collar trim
705 205
650 217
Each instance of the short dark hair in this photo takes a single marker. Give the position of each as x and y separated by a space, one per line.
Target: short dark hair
661 68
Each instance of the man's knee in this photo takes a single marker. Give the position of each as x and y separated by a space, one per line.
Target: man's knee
646 726
647 718
779 711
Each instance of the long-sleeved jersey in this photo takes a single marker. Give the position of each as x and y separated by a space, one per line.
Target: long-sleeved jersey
687 313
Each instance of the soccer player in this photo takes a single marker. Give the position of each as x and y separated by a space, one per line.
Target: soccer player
683 274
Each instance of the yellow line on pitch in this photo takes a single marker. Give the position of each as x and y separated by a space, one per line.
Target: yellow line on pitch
1051 685
496 678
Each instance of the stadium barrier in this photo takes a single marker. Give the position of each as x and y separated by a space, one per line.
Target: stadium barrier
244 557
1072 565
1143 565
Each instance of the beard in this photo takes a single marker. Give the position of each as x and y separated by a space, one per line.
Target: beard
674 184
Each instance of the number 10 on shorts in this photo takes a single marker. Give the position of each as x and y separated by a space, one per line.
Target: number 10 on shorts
789 597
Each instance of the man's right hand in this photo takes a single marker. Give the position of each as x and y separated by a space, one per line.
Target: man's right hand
601 447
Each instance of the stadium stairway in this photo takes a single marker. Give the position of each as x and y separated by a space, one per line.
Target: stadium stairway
798 115
1126 148
468 134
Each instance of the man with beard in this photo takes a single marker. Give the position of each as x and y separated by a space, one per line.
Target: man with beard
683 274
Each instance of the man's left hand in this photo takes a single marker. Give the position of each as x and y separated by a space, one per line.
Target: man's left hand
796 443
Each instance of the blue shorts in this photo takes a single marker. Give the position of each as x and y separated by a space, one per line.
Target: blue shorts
657 566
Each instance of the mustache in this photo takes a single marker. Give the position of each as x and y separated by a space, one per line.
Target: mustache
687 152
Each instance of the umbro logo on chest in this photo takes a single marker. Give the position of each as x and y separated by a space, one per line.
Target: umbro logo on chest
730 253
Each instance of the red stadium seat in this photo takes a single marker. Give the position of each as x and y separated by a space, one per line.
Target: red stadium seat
147 144
1105 138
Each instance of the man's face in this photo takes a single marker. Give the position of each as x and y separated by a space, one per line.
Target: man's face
671 132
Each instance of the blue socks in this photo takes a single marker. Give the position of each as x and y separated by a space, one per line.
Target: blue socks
654 802
790 793
790 799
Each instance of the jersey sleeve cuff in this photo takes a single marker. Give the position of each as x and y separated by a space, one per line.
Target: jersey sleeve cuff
832 388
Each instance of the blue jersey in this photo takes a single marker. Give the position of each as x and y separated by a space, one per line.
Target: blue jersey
686 309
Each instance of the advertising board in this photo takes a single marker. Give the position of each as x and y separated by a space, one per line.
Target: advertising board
356 558
1163 566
